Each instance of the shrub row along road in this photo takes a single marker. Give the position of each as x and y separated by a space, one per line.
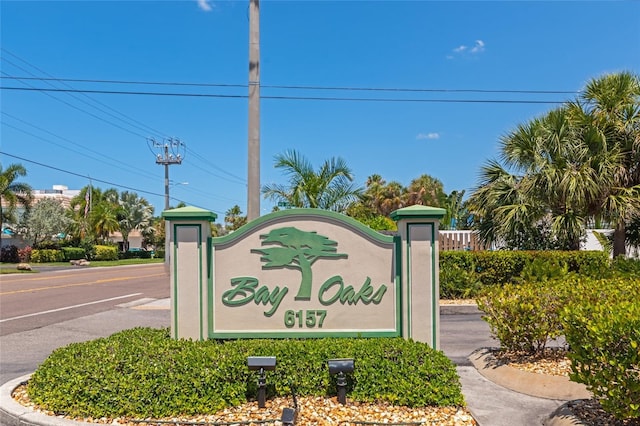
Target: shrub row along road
31 301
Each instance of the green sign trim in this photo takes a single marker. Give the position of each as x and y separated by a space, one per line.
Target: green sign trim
303 214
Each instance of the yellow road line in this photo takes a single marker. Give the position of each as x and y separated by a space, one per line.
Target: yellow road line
6 280
78 284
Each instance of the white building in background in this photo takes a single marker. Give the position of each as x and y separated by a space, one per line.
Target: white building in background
60 193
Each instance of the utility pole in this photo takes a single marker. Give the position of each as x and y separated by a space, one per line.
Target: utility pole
253 189
170 152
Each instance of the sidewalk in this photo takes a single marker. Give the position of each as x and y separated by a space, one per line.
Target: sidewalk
461 333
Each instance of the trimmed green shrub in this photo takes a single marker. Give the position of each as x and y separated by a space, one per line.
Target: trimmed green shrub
466 273
144 373
46 255
159 254
73 253
105 253
459 282
604 337
142 254
523 317
626 267
9 254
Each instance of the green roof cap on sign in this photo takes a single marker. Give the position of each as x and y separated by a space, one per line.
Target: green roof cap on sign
189 213
418 211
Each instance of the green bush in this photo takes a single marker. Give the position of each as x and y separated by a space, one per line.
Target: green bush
159 254
105 253
604 337
626 267
73 253
134 255
9 254
459 282
465 273
523 317
144 373
46 255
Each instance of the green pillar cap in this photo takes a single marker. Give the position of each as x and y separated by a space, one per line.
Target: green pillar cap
418 212
189 213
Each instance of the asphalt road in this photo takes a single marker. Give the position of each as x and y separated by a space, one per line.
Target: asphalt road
32 301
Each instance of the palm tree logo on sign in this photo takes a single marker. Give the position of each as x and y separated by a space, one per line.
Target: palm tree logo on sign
296 249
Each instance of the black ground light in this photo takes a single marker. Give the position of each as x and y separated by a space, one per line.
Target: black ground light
340 367
261 364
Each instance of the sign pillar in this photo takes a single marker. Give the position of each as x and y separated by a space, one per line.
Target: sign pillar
420 285
188 231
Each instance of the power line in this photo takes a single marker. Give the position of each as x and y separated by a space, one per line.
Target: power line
117 163
300 98
126 119
98 180
304 87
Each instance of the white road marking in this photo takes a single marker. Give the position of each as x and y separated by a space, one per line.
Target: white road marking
70 307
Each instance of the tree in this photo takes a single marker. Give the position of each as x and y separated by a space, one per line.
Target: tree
330 188
134 213
612 103
455 211
426 191
13 193
299 250
103 216
45 221
564 169
234 219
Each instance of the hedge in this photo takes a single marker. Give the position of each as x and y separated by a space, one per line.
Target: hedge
46 255
105 253
464 273
73 253
144 373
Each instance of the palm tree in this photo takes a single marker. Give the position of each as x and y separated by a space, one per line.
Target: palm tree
552 180
134 213
330 188
454 206
612 103
426 191
392 197
104 220
578 163
12 193
234 218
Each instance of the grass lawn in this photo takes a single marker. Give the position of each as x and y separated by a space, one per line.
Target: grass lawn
10 268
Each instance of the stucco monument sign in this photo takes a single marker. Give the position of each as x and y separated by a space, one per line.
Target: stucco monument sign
304 273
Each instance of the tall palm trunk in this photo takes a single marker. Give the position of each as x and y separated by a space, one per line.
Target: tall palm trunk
619 246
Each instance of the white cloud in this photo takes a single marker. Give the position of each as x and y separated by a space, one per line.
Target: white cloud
432 135
478 47
204 5
463 50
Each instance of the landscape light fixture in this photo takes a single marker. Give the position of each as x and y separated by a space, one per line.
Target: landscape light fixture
340 367
261 364
288 416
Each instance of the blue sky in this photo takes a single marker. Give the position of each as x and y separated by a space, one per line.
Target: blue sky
480 46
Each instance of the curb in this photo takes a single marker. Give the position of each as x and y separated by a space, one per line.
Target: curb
13 413
532 384
459 309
